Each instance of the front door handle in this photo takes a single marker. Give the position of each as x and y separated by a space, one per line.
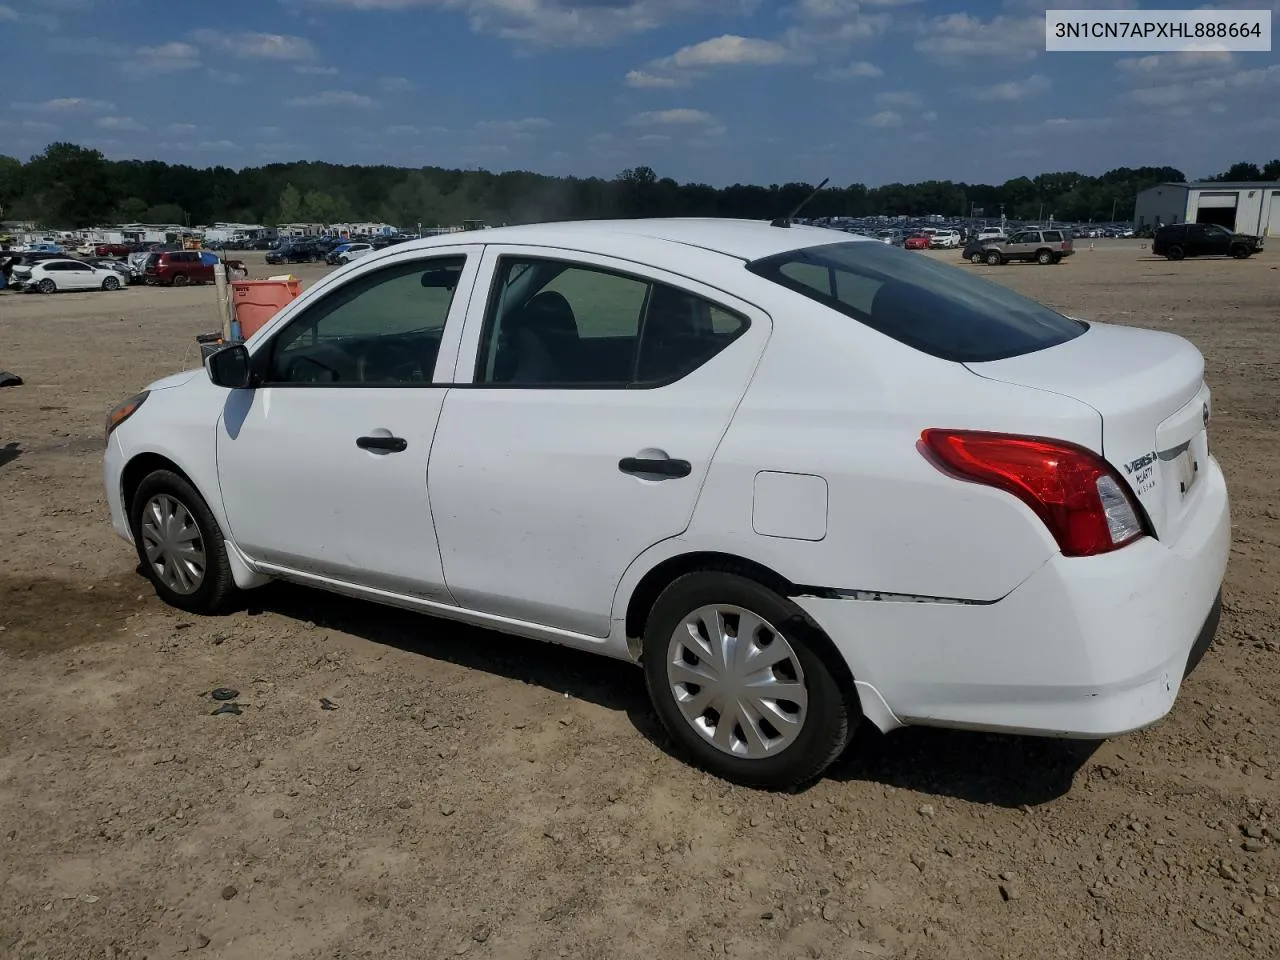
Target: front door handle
667 467
384 444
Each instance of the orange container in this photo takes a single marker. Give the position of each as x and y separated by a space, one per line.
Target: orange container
257 301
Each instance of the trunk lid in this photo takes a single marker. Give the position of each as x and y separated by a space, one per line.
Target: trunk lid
1148 387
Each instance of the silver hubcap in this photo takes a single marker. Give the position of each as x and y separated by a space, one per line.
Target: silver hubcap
172 542
737 681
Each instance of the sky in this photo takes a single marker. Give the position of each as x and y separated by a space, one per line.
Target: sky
713 91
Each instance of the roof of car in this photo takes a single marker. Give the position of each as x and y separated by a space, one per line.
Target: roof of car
742 239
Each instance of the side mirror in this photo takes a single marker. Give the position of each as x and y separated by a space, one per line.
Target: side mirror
441 279
229 367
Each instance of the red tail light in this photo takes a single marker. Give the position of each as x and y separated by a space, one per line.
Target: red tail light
1077 494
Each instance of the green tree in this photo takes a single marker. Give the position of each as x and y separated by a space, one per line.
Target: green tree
70 184
10 181
165 213
131 210
290 205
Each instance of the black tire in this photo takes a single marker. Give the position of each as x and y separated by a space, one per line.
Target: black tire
47 286
217 591
1044 258
977 257
1241 252
994 259
1175 253
179 279
111 283
832 711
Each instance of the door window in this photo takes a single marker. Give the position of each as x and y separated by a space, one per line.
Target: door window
381 329
557 324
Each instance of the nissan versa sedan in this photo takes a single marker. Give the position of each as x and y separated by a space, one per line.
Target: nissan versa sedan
804 480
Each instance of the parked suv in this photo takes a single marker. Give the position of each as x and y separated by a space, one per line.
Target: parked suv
178 268
1178 240
305 252
1042 246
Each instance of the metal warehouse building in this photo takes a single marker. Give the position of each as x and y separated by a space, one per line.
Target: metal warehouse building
1252 208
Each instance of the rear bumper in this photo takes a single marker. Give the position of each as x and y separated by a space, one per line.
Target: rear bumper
1084 647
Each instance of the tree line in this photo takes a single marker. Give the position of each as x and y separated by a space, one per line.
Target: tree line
68 186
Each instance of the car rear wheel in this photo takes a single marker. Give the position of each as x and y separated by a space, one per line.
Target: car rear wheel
1044 258
994 259
111 283
739 678
1175 253
179 279
976 257
47 286
180 545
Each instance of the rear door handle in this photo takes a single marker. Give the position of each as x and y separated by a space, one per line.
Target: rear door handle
663 468
386 444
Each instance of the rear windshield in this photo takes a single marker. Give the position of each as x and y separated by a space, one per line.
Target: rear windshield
940 310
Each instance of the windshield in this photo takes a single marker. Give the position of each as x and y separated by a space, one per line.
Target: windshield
936 308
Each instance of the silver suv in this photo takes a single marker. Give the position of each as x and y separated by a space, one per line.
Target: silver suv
1042 246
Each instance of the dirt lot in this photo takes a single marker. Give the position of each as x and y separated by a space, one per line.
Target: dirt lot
478 795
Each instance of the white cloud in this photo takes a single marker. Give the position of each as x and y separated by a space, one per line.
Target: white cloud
69 105
729 49
929 116
331 98
39 125
1013 90
216 145
120 123
395 84
1162 66
688 63
857 70
248 45
681 116
523 129
885 118
316 70
230 78
961 38
654 139
1180 96
7 14
401 130
643 80
180 129
898 98
558 23
166 58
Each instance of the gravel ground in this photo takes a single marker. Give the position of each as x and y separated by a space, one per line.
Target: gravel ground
473 794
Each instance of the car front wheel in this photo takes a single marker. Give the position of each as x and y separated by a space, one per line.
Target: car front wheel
1241 252
739 677
179 544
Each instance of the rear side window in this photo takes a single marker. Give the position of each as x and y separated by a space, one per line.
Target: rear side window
931 306
1052 236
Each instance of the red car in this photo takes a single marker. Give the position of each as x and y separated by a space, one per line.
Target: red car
111 250
920 242
178 268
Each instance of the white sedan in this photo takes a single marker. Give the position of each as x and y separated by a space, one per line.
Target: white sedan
803 479
355 251
51 276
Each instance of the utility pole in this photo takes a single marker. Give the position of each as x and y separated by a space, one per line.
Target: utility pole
1114 201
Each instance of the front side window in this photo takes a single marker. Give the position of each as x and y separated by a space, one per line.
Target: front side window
381 329
552 323
924 303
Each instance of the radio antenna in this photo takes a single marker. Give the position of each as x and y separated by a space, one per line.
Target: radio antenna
786 221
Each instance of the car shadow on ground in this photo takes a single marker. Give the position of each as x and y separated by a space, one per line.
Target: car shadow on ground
1005 771
10 452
